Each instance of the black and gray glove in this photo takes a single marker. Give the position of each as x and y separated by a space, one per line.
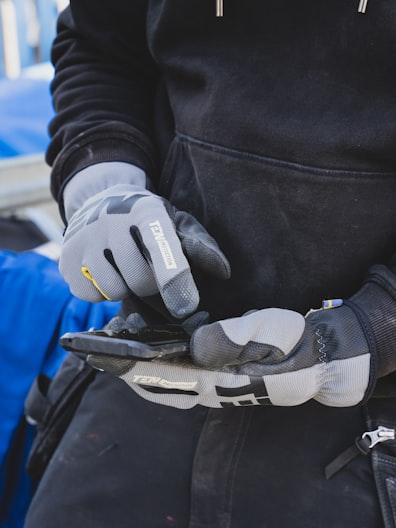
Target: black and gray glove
279 357
333 356
289 359
126 239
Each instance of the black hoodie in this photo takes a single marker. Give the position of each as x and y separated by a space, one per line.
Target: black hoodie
275 125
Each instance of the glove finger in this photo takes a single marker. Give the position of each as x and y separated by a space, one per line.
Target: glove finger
79 285
159 243
93 280
266 336
133 322
135 270
200 247
181 295
84 260
195 321
112 365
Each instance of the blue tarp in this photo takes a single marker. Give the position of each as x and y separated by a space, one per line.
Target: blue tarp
37 307
25 110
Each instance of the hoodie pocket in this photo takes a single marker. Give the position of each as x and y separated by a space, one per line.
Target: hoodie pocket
294 234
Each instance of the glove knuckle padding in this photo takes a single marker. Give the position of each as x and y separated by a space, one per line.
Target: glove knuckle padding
98 227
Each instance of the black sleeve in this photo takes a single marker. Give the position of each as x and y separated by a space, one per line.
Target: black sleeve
376 301
103 90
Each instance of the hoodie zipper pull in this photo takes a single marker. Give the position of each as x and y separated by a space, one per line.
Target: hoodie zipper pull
362 6
219 8
362 446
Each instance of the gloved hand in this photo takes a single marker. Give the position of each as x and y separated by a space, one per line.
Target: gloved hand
333 356
288 359
126 239
270 356
278 357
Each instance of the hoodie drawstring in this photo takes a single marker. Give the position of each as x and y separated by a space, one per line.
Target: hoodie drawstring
219 7
362 6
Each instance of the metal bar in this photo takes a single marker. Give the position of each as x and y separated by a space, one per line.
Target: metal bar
24 194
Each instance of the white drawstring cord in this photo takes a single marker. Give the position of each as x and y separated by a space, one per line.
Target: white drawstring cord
362 6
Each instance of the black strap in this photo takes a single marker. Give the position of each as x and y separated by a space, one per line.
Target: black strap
385 390
383 459
360 447
53 415
380 418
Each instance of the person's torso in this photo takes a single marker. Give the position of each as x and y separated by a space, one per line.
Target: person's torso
284 141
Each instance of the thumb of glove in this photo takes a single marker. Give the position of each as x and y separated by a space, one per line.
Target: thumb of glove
201 249
266 336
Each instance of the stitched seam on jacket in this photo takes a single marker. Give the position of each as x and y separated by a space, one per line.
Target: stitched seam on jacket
184 138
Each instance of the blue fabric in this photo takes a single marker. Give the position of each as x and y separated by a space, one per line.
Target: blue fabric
25 110
37 307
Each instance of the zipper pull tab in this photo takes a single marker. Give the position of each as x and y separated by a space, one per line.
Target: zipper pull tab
361 446
362 6
219 8
382 434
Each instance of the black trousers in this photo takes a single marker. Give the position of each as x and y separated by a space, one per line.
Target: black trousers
125 462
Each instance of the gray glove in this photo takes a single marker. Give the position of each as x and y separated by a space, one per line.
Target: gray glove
126 239
279 357
265 357
334 356
288 359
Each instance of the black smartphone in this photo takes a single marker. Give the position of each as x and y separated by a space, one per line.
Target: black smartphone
145 344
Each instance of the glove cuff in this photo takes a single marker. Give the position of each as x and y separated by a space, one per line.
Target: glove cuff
96 178
377 301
